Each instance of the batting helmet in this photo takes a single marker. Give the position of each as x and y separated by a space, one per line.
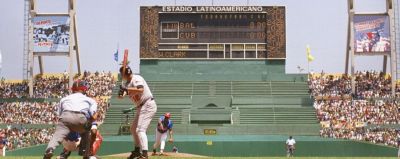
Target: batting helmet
167 115
127 72
80 85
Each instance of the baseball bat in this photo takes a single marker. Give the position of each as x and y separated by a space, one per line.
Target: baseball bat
124 63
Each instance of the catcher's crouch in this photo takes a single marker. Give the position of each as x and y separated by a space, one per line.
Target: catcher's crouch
73 143
77 112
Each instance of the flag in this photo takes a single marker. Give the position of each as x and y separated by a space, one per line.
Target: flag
116 56
309 56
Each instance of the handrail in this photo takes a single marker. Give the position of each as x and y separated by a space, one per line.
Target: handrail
232 89
192 89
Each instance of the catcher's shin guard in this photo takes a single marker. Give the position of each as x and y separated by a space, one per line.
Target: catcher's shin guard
84 147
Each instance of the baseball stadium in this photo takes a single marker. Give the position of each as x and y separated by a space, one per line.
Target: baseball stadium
190 79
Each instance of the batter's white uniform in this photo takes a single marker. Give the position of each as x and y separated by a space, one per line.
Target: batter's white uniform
145 109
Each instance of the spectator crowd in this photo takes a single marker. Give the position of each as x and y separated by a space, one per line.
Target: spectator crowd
39 112
347 116
13 90
15 138
15 112
376 135
28 113
369 84
100 84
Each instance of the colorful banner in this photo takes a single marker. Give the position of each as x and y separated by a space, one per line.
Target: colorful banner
325 124
371 33
51 33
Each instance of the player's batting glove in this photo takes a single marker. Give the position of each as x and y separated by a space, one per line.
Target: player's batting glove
122 91
171 140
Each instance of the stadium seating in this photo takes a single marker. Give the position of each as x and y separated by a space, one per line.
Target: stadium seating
274 104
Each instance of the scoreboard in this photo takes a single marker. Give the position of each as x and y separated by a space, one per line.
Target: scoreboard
212 32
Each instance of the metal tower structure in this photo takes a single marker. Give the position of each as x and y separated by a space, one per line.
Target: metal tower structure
26 60
350 49
396 17
73 48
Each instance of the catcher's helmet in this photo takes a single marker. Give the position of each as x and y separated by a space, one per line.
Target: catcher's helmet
80 85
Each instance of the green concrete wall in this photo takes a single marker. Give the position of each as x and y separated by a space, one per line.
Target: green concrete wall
246 149
228 129
216 70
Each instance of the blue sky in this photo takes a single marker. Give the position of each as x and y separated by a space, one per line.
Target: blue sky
102 24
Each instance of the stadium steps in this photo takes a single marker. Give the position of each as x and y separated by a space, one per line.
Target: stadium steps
278 105
277 115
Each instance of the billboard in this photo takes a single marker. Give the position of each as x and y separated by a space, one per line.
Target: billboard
51 33
371 33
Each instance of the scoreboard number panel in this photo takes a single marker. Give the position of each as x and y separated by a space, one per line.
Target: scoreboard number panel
212 32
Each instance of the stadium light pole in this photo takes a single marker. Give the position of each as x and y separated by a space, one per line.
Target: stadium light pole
1 62
393 69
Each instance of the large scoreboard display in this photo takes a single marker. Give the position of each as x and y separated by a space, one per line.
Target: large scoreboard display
212 32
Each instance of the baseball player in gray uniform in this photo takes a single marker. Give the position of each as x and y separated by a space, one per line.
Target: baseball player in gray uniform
139 92
76 113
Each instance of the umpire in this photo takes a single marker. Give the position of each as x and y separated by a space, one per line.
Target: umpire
76 113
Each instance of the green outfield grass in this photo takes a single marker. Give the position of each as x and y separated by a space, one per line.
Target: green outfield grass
37 157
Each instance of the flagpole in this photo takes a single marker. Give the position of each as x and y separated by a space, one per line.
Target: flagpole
117 47
308 68
308 53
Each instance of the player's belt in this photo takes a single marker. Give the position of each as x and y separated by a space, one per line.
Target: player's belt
144 102
75 112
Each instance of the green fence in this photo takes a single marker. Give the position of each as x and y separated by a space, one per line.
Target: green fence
242 145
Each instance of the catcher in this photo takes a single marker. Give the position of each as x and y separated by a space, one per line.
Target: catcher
164 124
73 143
76 114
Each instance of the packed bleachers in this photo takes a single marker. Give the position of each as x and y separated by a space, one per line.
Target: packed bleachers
28 113
15 138
376 135
39 112
346 115
13 90
17 108
100 84
369 84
